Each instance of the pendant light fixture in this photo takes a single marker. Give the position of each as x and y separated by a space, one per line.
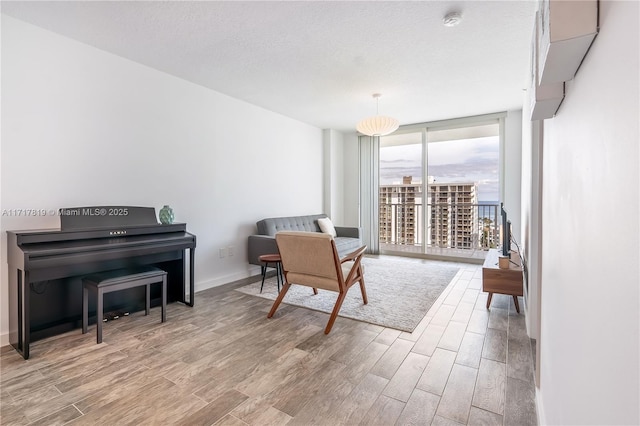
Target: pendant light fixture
378 125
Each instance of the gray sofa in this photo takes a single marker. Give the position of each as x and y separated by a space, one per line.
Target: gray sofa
347 240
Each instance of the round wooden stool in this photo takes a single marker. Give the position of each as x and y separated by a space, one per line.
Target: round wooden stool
275 259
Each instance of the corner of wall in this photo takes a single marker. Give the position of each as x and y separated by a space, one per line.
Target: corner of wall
333 175
540 408
351 192
513 168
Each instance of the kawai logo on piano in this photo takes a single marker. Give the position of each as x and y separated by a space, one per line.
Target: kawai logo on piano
117 232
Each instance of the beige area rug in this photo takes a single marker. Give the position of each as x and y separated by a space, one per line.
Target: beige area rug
400 292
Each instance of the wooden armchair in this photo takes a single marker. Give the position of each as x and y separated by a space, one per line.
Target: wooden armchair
311 259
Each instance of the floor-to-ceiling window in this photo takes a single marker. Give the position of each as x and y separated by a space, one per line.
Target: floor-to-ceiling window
401 195
440 188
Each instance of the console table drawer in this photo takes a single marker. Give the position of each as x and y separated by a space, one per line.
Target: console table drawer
505 281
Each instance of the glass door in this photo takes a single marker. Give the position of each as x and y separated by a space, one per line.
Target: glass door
440 188
463 189
401 194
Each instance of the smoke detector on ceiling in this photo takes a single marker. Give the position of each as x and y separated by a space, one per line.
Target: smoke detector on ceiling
452 19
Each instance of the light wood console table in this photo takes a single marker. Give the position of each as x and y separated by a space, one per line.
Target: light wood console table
503 281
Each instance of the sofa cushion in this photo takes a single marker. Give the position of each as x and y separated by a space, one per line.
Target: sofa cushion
272 225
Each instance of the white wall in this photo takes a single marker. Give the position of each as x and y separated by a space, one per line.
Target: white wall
590 246
513 169
333 142
531 215
84 127
351 195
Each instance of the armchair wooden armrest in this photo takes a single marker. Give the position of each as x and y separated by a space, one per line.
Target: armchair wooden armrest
354 255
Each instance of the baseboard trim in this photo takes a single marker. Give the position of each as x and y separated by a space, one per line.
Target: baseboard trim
226 279
4 339
539 408
427 256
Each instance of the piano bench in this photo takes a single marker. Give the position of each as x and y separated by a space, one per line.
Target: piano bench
120 279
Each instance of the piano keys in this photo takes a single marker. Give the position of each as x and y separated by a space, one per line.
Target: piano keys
46 266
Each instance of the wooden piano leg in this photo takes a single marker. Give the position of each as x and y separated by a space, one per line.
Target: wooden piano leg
85 309
147 298
20 336
26 314
164 298
99 315
192 262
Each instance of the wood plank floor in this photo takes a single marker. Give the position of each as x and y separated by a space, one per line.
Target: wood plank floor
223 362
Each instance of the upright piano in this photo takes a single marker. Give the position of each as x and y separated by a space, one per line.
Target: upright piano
46 266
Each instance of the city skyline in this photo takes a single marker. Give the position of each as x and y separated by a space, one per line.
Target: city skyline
465 160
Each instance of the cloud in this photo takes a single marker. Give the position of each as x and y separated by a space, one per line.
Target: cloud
484 171
475 166
389 175
452 161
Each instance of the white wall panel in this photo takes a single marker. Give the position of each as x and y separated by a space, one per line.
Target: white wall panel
590 321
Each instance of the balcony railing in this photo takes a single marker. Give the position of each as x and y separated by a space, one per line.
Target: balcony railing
452 229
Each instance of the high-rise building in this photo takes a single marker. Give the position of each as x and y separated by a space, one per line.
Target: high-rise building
401 213
452 214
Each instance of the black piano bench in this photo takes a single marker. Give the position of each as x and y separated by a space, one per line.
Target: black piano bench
120 279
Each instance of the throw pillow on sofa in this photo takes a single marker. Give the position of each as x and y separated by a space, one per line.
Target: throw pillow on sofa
326 226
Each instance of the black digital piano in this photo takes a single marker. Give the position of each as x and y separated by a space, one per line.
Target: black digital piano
46 266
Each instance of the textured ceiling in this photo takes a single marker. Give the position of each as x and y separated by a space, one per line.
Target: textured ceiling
316 61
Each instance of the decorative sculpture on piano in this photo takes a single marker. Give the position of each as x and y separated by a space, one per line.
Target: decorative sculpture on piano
166 215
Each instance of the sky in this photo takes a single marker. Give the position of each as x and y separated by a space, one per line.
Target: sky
466 160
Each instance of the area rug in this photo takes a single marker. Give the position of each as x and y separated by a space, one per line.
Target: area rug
400 292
